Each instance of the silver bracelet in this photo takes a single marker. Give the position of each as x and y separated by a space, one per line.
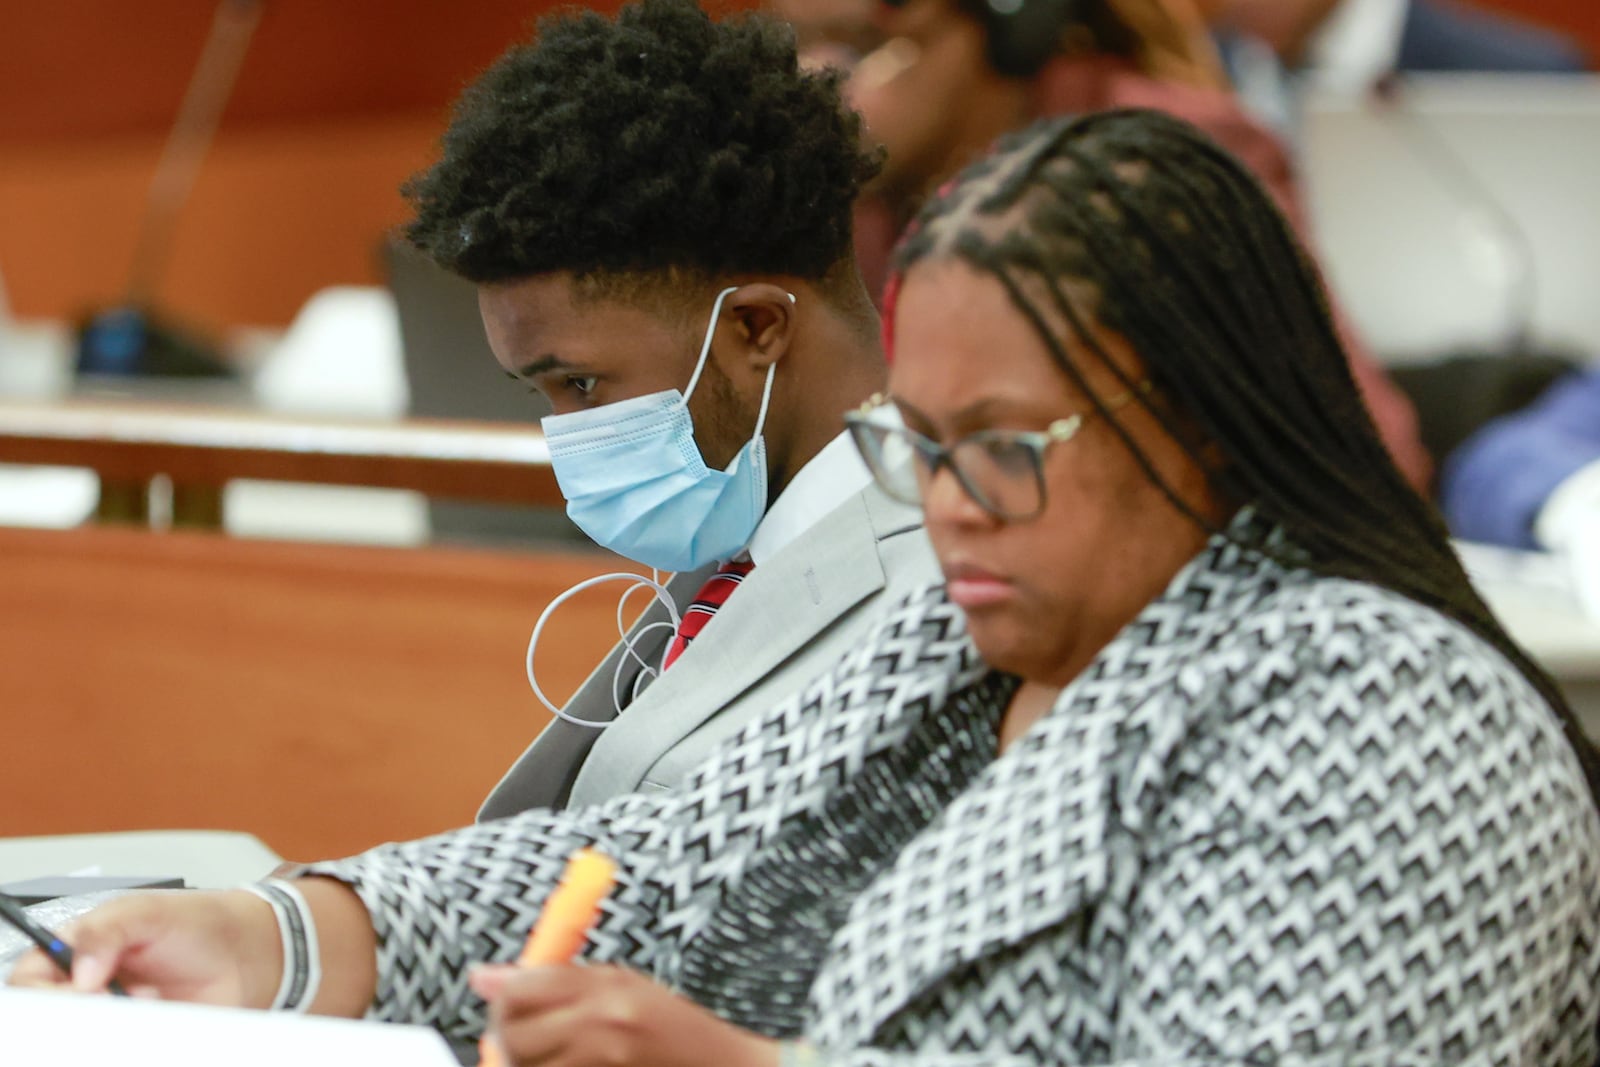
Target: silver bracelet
302 960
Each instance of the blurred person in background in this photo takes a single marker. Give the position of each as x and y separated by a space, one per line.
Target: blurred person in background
1275 48
1352 43
829 33
951 76
1205 752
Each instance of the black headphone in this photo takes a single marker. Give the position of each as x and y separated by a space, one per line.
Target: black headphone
1023 35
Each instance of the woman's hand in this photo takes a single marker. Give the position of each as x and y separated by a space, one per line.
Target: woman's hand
214 948
572 1016
210 948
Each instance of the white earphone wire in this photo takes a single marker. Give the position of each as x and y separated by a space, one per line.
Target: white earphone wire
629 641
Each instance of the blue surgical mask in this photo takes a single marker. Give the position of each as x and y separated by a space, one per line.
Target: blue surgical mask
636 483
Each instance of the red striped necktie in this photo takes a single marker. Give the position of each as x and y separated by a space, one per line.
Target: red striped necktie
715 593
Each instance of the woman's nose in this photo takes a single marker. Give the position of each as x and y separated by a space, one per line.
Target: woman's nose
946 500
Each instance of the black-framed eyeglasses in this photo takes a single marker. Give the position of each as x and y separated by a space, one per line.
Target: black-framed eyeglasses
1001 470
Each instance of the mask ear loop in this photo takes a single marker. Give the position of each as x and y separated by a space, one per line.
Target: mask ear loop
640 582
766 398
705 346
766 391
705 351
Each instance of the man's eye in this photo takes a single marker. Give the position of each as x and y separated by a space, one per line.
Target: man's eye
582 384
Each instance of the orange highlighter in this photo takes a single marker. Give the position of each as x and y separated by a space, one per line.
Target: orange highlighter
564 922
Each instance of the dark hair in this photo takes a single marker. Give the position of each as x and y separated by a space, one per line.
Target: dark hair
657 142
1138 220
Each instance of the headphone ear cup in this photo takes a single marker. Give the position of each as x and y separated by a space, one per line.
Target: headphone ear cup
1024 34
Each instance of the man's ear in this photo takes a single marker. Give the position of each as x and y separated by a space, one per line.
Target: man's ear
763 319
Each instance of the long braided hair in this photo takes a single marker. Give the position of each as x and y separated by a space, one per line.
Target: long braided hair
1136 222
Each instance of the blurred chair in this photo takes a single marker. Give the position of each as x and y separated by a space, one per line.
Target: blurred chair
340 358
36 364
35 356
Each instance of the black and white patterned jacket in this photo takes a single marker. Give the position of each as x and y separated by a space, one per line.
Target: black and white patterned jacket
1281 818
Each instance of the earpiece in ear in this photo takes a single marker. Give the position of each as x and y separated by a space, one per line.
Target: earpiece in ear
1024 35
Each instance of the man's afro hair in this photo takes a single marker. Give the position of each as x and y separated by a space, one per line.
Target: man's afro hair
662 141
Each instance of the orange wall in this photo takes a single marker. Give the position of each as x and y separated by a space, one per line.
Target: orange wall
336 104
277 213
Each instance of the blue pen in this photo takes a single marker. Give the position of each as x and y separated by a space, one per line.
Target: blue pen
58 950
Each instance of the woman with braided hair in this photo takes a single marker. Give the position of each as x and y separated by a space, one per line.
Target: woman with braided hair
1204 752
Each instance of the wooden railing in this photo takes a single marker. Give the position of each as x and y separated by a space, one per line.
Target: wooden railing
200 449
322 696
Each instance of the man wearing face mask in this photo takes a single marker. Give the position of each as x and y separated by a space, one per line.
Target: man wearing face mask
657 212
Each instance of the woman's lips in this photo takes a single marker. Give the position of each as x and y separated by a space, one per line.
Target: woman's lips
970 586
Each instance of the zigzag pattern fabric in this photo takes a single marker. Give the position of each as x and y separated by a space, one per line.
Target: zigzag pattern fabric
1280 819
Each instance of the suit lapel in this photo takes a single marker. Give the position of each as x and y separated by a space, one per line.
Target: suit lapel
780 607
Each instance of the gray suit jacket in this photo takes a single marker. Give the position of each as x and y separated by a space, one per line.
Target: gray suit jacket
792 619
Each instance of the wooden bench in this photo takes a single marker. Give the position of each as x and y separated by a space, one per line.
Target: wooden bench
323 697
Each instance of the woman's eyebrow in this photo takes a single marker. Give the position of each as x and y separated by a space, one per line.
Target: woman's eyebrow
975 412
907 409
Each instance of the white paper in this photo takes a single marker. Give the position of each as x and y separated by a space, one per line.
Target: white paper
52 1029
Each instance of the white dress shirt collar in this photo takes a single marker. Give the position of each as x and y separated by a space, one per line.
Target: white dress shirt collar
830 478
